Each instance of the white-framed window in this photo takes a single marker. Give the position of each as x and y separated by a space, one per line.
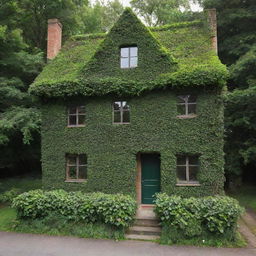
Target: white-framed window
121 112
76 116
129 57
187 169
186 105
76 167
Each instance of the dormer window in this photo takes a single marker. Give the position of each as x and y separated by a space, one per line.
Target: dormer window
129 57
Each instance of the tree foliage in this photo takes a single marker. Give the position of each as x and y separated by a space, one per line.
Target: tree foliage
161 12
19 115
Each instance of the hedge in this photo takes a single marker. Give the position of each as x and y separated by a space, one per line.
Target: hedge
117 210
195 217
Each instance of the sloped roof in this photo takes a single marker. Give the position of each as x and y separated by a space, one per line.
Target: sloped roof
177 56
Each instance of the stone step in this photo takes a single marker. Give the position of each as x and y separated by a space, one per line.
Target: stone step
142 237
142 230
147 222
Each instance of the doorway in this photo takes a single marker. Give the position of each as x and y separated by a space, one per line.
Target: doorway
150 176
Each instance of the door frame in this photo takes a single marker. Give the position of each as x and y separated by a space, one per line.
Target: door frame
139 175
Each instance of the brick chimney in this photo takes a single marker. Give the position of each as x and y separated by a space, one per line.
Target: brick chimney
212 19
54 38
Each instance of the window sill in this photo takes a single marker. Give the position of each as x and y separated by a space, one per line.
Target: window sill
188 184
72 126
186 116
75 181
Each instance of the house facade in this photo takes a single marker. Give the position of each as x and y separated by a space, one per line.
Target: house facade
135 111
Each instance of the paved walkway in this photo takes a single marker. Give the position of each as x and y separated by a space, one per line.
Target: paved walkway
13 244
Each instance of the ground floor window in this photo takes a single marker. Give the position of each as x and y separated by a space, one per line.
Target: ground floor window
187 169
76 167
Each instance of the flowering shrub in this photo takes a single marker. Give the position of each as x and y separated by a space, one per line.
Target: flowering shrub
117 210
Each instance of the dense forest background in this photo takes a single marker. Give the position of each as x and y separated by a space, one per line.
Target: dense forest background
23 28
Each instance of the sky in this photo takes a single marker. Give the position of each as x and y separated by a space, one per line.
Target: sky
194 7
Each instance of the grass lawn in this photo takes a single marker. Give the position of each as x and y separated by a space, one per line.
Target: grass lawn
7 218
21 183
246 195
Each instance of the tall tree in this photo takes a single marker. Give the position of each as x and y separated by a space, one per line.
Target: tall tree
19 116
160 12
100 17
34 14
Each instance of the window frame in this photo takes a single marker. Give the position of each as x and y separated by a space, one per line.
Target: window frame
77 115
187 182
121 112
77 166
186 104
129 57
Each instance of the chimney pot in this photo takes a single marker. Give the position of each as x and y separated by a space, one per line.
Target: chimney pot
54 38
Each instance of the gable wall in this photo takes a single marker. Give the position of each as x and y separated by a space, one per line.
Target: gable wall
111 149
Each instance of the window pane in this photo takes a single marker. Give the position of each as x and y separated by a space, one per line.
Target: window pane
81 110
133 62
82 172
82 159
71 159
117 105
72 120
181 173
126 117
72 110
181 160
117 117
181 109
124 63
72 172
125 106
193 173
191 108
193 160
192 99
125 52
81 119
134 51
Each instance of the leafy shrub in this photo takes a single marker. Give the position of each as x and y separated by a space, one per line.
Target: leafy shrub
8 196
193 217
117 210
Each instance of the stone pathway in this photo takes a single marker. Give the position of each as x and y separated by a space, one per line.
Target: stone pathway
247 227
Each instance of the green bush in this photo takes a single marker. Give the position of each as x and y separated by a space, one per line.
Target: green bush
9 195
194 217
117 210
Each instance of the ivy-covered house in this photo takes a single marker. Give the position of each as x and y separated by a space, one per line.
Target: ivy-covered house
137 110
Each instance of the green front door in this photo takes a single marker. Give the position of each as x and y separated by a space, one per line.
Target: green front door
150 178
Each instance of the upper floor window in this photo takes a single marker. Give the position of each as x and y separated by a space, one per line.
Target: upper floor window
76 167
76 116
187 169
186 105
129 57
121 112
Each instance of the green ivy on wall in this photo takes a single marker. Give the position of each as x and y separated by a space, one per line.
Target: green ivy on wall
111 149
174 56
